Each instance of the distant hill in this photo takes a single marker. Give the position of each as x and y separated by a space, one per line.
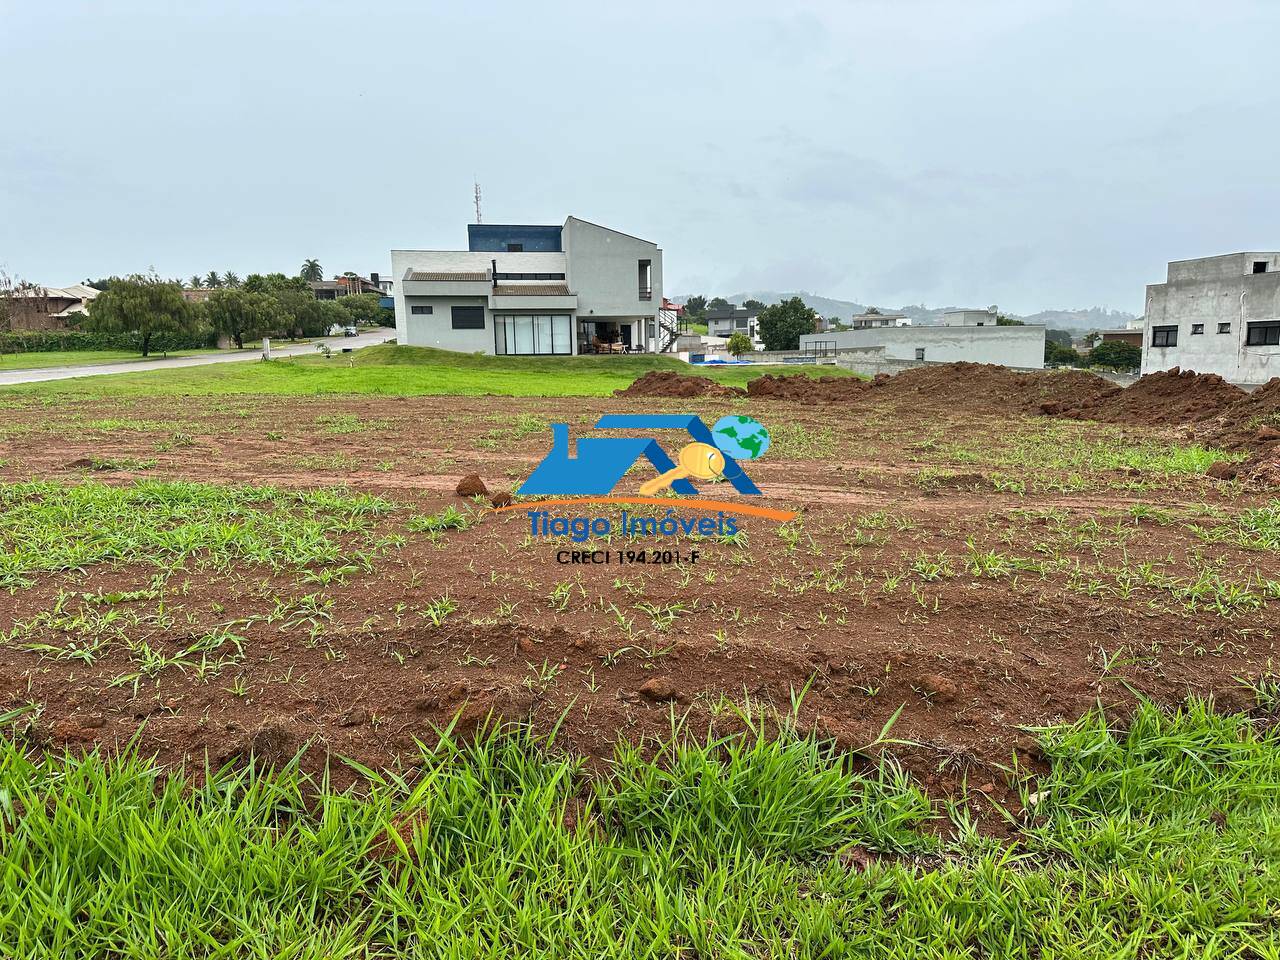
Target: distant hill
1092 318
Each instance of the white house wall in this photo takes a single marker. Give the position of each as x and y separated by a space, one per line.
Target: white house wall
604 271
436 328
1013 346
1214 291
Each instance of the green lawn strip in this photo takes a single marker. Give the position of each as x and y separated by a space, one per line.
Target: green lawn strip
408 371
1161 841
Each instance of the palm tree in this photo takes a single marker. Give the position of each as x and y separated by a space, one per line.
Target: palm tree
230 279
195 283
212 279
311 271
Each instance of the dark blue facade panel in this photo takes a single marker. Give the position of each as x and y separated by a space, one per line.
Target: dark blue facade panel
508 237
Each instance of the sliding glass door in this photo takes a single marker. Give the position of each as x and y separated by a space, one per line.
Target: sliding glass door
531 334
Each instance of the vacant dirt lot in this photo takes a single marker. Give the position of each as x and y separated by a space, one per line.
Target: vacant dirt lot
980 569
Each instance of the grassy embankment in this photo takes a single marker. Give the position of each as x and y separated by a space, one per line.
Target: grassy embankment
1162 841
406 371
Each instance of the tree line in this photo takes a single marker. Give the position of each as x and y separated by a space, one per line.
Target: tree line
263 305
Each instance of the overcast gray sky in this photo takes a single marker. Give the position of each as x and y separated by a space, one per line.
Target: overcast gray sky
1035 154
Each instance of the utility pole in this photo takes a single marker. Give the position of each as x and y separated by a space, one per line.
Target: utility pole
478 220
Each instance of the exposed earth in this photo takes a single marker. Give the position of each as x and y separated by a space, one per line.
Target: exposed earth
963 565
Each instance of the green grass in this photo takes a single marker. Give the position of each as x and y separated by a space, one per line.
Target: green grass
1162 841
50 528
75 358
405 371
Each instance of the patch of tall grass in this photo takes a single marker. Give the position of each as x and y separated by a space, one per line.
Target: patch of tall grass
1158 841
49 527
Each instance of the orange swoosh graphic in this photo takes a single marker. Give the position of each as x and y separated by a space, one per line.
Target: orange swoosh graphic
728 506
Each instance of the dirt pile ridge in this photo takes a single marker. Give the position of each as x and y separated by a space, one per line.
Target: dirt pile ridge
1170 396
1252 422
806 389
661 383
997 388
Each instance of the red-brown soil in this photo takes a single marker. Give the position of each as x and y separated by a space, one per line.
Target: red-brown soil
659 383
996 388
1254 420
805 389
1170 396
953 559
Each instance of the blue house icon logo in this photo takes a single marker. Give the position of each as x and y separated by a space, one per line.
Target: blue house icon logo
599 463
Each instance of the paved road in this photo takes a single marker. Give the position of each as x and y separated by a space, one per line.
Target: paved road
284 349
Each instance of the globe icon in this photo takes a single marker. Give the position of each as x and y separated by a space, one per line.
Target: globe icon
741 437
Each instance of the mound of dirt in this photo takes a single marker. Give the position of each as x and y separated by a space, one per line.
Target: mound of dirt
806 389
1251 424
997 388
1170 396
660 383
1260 471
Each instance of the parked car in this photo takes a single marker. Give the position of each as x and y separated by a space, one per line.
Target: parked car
349 332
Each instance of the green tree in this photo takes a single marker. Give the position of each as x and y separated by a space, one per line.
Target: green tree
1058 354
245 316
1116 355
308 317
695 307
195 283
1003 320
718 303
739 343
752 304
231 280
366 308
213 279
311 271
274 283
145 305
783 324
1062 337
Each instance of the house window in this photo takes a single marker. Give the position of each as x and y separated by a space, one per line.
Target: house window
1259 266
644 273
1224 328
515 248
1197 328
468 318
919 353
419 310
1164 336
741 324
528 276
1263 334
531 334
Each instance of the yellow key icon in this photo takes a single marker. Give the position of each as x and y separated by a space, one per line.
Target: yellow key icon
701 461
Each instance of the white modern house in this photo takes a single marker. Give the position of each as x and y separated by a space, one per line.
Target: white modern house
531 289
1216 315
